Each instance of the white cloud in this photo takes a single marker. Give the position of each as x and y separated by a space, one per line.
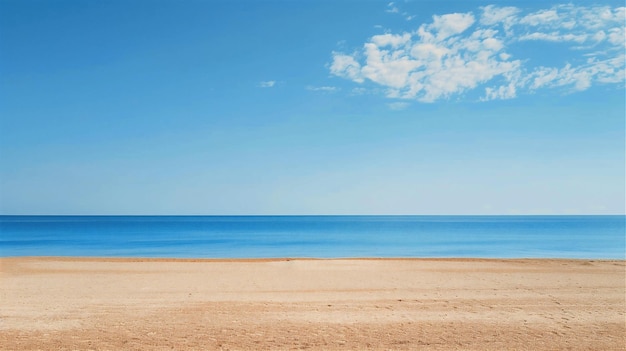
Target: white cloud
346 66
456 53
391 39
555 37
541 18
267 84
392 8
500 93
543 76
599 36
326 89
596 17
451 24
385 68
581 77
617 36
493 15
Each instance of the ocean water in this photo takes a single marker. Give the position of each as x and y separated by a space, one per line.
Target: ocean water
314 236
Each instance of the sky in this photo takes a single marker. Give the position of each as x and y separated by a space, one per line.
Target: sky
312 107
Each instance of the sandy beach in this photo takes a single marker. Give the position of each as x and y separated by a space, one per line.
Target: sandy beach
283 304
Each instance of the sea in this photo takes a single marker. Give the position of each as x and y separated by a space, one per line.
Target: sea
583 237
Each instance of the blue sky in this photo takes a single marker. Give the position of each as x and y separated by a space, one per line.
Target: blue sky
311 107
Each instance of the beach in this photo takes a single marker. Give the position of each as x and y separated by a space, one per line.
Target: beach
292 304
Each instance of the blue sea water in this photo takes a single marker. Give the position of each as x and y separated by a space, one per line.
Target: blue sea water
314 236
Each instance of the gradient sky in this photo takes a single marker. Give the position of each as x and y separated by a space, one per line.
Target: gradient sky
312 107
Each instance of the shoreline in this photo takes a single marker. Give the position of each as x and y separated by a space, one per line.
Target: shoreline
126 303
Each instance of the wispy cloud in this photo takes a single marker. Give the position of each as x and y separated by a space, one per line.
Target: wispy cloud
358 91
398 106
326 89
267 84
392 7
461 52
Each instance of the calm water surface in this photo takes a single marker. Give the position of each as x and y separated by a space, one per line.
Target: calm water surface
314 236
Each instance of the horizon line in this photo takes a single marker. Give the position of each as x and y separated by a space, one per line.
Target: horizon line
313 215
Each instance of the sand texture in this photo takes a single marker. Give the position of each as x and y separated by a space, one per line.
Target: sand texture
138 304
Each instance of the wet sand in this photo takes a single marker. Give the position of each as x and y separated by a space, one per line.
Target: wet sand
364 304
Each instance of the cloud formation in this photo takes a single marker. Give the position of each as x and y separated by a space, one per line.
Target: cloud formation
267 84
392 7
461 52
326 89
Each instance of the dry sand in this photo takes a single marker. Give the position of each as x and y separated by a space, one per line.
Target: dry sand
137 304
